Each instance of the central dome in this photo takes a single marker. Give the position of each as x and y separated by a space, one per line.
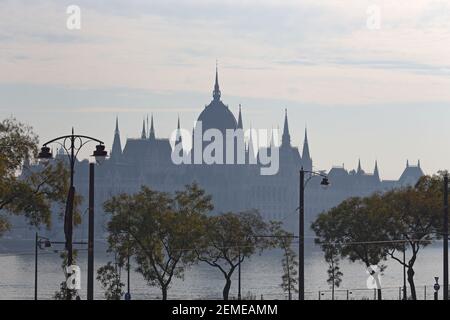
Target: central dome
217 115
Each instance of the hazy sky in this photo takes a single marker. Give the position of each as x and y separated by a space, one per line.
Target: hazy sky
371 93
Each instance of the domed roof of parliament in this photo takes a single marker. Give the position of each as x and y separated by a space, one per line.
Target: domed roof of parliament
217 115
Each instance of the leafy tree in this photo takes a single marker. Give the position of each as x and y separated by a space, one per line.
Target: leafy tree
374 228
416 214
159 230
358 227
229 239
109 277
23 191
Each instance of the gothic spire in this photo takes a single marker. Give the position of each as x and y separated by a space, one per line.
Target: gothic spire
117 125
239 124
305 154
216 92
178 136
375 171
286 139
152 129
143 134
359 170
116 151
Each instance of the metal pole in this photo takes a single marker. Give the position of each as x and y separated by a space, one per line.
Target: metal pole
445 232
90 275
301 244
69 217
36 265
70 207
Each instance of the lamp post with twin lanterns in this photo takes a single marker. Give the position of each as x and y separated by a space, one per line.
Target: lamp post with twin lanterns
72 145
301 245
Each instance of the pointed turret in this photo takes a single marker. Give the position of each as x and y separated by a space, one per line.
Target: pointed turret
286 138
216 92
375 171
306 156
116 151
305 153
178 136
152 130
359 170
239 124
418 163
143 133
407 163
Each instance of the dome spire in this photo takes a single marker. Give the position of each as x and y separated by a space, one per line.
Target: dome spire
216 92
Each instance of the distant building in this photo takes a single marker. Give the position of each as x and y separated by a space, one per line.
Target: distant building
147 161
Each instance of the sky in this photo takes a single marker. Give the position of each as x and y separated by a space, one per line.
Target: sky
375 91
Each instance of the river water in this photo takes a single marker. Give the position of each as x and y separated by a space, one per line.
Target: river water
261 276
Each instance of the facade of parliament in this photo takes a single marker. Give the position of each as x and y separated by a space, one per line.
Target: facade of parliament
238 187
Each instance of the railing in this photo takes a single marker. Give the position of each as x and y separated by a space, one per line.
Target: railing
423 292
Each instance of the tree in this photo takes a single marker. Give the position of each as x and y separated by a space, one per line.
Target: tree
357 227
283 239
159 230
416 214
374 228
229 239
334 272
23 191
109 277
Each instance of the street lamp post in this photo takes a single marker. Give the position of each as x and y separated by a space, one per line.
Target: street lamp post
90 275
301 244
72 144
445 236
